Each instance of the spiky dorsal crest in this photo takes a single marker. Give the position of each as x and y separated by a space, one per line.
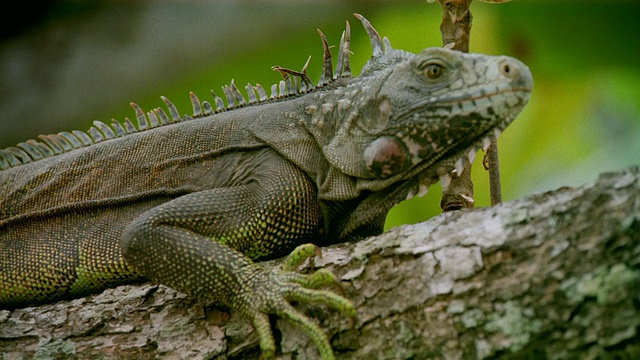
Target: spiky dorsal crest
384 55
293 83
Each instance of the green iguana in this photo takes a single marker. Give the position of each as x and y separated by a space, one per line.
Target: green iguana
191 202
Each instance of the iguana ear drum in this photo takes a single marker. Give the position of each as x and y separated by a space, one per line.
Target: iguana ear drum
386 156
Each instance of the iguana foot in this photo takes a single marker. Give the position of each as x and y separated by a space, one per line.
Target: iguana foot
275 288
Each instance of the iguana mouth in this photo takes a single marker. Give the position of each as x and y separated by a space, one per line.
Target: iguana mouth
457 100
453 165
450 160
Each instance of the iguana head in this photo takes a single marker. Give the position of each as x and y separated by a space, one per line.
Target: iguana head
418 116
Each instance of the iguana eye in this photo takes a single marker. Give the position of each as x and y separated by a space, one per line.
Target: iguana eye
433 71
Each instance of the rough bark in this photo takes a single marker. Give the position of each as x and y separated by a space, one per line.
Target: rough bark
554 275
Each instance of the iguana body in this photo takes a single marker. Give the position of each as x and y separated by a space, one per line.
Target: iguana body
192 202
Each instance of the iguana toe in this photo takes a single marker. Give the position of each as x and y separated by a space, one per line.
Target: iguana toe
299 255
277 287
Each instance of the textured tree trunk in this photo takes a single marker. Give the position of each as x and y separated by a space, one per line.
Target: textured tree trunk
554 275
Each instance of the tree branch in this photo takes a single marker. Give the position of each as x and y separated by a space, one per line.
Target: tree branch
491 163
456 33
554 275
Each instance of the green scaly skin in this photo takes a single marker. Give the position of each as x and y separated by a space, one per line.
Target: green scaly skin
192 203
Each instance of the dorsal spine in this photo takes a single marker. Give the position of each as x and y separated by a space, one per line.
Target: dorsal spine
293 83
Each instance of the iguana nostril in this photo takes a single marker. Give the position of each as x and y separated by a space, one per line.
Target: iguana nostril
516 71
508 69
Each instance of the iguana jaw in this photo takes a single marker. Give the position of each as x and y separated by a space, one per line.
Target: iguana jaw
448 166
449 161
470 142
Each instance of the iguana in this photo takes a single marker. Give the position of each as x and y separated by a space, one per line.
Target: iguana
193 202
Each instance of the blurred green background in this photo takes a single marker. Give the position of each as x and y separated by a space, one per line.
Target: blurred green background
73 62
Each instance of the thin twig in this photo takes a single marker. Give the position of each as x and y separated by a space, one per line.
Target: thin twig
456 30
493 166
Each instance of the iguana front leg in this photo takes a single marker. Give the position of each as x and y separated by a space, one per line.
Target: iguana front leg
202 243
